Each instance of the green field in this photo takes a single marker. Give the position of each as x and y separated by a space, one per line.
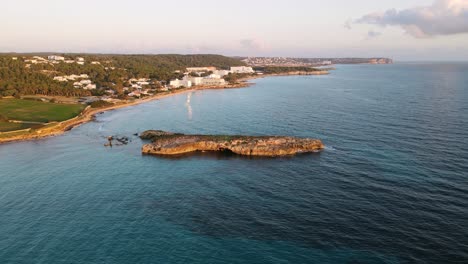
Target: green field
6 126
35 111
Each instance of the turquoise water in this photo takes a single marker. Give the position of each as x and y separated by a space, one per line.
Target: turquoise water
391 186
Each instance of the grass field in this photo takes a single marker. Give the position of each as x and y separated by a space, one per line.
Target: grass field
6 126
35 111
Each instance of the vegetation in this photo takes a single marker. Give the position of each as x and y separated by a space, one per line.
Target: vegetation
8 126
18 77
35 111
235 77
99 104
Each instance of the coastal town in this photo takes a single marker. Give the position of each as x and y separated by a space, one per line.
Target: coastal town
207 76
52 93
88 77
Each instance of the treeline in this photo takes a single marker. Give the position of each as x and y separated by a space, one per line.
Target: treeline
280 69
16 80
113 71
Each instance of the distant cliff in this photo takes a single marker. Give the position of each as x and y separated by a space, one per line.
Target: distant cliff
166 143
309 62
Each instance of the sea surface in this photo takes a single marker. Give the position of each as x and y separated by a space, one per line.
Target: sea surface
390 187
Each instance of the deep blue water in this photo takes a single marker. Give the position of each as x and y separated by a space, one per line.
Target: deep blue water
391 187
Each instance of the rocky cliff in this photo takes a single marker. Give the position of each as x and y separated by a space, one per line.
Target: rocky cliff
165 143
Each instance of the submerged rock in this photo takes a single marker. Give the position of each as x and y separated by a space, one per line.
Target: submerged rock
167 143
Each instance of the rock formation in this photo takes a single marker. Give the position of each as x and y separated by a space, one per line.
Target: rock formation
166 143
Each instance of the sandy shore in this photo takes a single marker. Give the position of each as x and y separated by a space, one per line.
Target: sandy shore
89 113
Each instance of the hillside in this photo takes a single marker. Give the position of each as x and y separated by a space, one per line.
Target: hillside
27 74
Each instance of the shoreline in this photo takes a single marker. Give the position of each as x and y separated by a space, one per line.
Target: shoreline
89 113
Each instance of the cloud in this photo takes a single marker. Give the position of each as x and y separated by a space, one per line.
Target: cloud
348 23
373 34
252 45
444 17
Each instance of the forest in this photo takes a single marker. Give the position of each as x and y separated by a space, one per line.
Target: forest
113 71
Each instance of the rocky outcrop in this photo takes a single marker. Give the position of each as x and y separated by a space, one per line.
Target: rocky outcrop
166 143
152 134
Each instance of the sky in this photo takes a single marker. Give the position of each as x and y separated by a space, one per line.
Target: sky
405 30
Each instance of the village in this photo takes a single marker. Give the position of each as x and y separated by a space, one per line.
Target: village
136 87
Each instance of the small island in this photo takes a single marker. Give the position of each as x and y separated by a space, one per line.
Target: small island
167 143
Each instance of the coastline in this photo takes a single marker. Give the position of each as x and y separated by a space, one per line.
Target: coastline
89 113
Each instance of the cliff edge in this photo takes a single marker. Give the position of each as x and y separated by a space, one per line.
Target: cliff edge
166 143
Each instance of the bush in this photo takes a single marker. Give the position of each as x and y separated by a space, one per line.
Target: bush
99 104
3 118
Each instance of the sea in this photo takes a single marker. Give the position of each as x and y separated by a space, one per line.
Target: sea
391 185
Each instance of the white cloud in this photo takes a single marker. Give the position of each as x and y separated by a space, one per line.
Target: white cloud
348 23
444 17
373 34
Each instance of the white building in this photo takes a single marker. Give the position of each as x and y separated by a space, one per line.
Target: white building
242 69
194 80
96 63
90 87
80 62
60 78
135 93
221 73
201 69
39 58
55 58
79 59
85 82
213 81
214 76
180 83
69 61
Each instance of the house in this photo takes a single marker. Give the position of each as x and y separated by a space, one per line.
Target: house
242 69
80 62
180 83
60 79
69 61
55 58
85 82
39 58
143 83
135 93
90 87
96 63
201 69
80 59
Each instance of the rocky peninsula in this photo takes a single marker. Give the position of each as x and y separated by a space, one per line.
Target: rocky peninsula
167 143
